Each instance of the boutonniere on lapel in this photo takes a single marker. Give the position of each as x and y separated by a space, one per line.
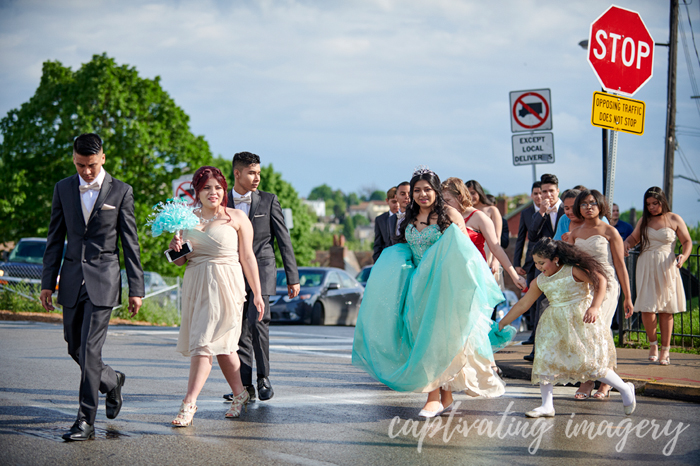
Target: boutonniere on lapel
171 216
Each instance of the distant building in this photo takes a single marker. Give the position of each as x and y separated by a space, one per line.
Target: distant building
370 209
318 206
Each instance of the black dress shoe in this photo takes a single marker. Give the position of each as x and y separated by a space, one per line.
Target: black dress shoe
80 431
113 402
529 357
265 391
529 341
251 394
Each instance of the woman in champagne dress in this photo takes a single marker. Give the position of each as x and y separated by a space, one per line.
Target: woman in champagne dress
213 291
660 292
604 243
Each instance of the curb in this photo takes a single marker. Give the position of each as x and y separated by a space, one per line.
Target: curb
56 318
644 387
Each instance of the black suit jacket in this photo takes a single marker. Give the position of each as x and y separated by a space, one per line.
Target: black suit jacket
92 253
382 234
268 224
525 231
542 228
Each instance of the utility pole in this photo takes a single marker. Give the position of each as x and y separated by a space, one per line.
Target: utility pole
669 152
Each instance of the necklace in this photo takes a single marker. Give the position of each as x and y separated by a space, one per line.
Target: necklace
202 221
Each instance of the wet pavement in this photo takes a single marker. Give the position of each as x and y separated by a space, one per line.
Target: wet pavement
325 411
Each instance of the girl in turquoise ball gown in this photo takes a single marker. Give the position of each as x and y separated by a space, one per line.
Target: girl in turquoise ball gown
425 320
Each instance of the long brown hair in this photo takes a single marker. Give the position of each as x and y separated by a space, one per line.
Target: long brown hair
658 194
412 211
200 178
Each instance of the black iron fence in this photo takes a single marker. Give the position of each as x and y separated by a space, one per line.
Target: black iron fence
686 326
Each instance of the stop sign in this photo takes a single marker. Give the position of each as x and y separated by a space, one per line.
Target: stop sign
621 50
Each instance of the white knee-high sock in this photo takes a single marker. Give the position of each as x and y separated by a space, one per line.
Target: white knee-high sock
547 391
611 378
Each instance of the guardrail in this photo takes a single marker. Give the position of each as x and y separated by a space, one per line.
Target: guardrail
686 329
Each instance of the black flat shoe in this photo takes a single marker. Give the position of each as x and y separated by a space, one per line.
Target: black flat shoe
251 394
113 401
80 431
265 391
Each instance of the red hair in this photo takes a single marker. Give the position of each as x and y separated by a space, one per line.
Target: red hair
200 178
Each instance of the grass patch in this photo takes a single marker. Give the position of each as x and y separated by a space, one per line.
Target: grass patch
153 311
20 298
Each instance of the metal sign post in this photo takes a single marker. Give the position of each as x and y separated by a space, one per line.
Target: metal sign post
612 158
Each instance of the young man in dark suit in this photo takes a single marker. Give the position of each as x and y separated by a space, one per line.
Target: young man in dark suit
382 232
544 225
92 211
526 232
403 196
265 214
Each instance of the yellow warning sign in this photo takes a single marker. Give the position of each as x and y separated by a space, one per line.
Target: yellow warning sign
618 113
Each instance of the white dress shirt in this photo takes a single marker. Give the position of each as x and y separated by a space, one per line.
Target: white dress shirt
242 206
553 215
89 197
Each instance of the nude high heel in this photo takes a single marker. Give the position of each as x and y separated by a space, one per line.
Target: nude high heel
653 357
239 402
667 360
186 415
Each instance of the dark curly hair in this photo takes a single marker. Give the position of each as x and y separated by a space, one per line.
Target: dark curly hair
599 199
570 255
200 178
443 221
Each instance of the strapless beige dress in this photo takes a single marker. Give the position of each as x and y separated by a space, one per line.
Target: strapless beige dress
213 293
659 285
599 247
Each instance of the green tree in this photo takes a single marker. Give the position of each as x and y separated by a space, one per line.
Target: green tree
360 220
147 142
377 196
324 192
352 199
272 182
349 228
226 167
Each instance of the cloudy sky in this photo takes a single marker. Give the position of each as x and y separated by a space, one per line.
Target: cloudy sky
355 94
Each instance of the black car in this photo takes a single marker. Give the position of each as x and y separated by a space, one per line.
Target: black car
328 296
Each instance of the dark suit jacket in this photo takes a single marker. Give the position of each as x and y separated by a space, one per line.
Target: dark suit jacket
268 224
382 234
92 253
543 228
525 231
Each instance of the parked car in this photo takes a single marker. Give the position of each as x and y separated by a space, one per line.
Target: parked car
25 263
363 276
153 282
328 296
503 308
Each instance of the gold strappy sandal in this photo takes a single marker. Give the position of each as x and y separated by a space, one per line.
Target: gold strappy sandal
186 415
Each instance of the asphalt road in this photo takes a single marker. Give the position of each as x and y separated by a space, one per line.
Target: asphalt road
325 411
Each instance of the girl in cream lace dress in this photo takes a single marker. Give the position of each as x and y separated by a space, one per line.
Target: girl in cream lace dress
213 291
604 243
573 343
660 292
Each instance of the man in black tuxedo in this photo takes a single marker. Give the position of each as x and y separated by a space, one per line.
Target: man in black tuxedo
93 211
526 232
265 214
544 225
382 231
403 196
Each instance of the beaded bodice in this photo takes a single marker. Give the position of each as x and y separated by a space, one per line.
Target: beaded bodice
420 241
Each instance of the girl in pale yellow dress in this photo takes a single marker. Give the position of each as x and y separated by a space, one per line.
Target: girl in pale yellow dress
213 291
659 287
573 342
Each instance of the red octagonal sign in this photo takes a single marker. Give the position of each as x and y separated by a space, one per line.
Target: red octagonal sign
621 50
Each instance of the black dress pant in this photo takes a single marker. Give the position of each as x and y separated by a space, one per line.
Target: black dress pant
85 331
254 341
